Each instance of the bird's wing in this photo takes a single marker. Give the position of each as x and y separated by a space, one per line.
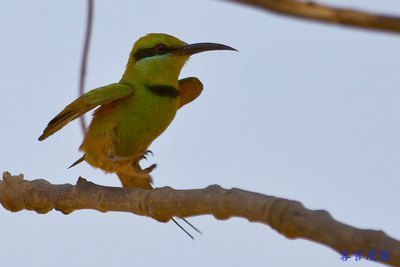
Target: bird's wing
85 103
189 88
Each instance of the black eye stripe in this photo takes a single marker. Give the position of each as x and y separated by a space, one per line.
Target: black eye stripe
149 52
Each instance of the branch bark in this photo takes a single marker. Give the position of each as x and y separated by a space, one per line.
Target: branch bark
290 218
328 14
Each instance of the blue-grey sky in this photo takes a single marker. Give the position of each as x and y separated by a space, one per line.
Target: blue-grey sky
304 111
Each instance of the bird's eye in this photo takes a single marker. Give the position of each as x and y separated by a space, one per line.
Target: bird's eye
160 47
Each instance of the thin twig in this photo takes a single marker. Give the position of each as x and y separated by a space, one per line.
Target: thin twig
85 53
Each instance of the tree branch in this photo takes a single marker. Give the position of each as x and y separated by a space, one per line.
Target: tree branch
328 14
289 218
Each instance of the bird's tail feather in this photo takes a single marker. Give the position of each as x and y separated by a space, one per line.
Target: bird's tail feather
77 162
145 182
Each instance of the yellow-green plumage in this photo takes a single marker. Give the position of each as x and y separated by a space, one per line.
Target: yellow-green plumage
131 114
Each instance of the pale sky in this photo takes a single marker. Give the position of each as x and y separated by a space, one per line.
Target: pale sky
305 111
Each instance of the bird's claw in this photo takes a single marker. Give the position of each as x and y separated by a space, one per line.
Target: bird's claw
148 152
139 169
150 168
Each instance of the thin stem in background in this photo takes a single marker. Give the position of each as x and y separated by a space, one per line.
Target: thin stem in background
82 77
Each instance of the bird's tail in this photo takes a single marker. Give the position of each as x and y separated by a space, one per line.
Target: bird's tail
78 161
145 181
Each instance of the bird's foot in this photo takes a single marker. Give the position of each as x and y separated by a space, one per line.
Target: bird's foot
132 162
145 171
150 168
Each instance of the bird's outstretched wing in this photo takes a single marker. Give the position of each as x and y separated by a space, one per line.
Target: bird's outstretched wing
189 88
85 103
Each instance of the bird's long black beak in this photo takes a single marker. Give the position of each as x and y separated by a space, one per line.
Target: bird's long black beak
192 49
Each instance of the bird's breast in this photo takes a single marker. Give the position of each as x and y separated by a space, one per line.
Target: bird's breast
127 127
146 117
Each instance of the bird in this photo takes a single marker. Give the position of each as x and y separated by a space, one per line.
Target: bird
130 114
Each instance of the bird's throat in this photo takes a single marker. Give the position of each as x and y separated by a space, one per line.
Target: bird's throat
158 70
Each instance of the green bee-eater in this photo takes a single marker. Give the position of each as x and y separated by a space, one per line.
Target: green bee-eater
132 113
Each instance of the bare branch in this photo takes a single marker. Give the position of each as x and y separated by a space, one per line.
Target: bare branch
328 14
85 53
289 218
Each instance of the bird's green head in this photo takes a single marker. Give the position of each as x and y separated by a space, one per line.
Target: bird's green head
158 58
